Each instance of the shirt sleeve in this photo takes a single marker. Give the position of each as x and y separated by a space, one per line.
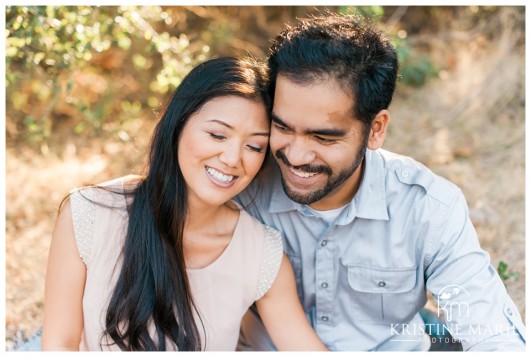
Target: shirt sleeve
467 289
83 213
270 262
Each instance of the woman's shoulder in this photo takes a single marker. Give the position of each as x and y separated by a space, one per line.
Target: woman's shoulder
95 208
107 192
115 183
265 230
260 248
269 241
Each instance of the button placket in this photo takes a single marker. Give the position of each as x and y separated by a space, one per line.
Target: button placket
323 267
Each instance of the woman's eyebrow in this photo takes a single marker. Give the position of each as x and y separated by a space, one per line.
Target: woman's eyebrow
221 122
263 133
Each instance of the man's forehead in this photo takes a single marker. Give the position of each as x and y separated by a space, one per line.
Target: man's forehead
317 104
309 79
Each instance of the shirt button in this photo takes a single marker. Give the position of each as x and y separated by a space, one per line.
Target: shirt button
381 284
509 311
324 242
324 318
324 285
404 173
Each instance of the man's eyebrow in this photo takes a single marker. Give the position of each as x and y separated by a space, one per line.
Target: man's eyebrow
338 133
264 133
321 132
277 120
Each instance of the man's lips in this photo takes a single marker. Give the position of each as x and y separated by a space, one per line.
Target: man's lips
302 174
303 171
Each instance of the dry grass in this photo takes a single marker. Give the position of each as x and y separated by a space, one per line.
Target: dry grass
467 126
36 184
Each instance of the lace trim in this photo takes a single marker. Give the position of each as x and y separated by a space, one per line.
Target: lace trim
271 259
83 211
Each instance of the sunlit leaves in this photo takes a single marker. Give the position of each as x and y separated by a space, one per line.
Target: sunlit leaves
140 61
415 68
49 41
373 12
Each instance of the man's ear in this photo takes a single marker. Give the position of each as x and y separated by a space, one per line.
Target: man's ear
378 129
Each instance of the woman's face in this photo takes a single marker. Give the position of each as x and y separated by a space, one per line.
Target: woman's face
222 147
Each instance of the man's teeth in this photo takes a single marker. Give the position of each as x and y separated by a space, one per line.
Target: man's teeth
302 173
219 176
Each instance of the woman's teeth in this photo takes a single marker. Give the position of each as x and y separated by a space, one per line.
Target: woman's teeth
219 176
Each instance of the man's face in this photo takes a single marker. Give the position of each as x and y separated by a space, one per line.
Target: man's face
317 143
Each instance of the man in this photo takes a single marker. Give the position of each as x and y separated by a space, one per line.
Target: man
368 232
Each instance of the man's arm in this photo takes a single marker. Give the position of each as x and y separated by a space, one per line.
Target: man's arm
467 289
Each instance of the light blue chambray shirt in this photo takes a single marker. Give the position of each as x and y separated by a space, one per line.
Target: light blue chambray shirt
363 279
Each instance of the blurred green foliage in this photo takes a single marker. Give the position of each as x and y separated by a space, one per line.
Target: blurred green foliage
415 68
46 45
505 273
94 69
374 13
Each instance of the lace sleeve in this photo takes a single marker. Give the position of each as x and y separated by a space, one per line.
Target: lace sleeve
271 259
83 211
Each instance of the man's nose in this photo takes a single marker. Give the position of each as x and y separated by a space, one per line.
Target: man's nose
299 152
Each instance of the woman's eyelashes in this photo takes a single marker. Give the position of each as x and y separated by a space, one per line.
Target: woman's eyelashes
254 148
217 136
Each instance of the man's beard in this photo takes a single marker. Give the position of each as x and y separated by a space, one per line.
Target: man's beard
333 182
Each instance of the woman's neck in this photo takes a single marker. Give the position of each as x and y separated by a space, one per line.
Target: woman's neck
207 233
208 218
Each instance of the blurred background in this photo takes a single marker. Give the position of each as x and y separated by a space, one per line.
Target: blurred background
85 86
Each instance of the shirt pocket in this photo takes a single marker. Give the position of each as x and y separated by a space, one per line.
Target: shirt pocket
382 294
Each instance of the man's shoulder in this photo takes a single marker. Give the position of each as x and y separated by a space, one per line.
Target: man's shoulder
404 170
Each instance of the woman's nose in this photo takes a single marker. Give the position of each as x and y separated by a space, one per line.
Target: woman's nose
231 155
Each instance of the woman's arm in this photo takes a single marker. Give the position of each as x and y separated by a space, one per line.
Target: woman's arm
283 316
65 282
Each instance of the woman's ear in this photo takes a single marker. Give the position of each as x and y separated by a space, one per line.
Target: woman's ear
378 129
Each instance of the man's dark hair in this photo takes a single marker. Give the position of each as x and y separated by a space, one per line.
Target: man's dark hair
360 58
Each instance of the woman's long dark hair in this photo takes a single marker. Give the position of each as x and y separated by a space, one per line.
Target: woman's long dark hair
153 286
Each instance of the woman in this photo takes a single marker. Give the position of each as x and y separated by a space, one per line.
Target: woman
168 261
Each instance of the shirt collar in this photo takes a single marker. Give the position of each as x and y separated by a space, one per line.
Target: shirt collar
369 202
280 202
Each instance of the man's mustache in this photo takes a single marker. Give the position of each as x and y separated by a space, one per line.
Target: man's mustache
306 168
